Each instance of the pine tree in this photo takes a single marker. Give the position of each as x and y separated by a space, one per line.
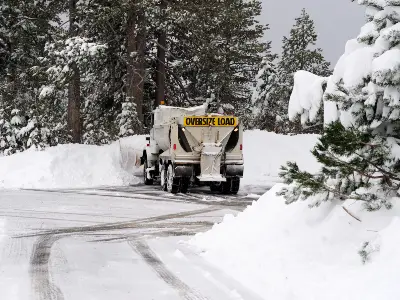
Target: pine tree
128 120
105 23
298 53
214 52
265 84
360 144
25 27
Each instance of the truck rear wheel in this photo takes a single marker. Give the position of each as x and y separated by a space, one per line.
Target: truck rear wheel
230 186
163 178
215 187
235 185
146 180
173 183
185 182
225 187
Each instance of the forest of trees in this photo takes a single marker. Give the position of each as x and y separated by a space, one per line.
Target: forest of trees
91 71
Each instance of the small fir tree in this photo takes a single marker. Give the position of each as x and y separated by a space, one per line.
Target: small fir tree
298 53
265 84
127 120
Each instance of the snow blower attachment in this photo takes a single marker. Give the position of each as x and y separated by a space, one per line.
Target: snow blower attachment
187 147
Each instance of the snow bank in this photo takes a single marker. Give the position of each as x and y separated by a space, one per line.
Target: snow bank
265 152
293 252
2 229
82 166
73 166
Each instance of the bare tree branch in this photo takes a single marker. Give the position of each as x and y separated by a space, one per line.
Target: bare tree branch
346 210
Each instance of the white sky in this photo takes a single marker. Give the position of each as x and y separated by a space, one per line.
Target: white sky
336 21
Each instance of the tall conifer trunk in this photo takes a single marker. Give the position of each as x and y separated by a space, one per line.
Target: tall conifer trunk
136 45
74 102
160 70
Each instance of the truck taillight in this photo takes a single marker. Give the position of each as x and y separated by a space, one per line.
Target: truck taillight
148 145
174 146
241 147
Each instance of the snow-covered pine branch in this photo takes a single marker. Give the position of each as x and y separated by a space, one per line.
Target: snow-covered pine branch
306 98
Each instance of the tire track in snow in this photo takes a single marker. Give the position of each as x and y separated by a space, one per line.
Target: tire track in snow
44 289
123 225
198 197
169 278
13 250
42 286
157 230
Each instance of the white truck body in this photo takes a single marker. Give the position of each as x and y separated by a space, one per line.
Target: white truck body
187 146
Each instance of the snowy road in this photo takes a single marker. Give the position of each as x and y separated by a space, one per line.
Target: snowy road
111 243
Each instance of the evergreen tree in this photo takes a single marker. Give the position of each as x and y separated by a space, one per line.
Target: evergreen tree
215 51
359 146
265 84
238 53
298 53
103 81
25 27
126 120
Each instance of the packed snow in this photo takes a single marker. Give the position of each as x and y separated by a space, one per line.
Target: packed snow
2 229
265 152
73 166
84 166
294 252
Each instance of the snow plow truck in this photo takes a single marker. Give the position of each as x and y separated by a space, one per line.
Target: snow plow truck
188 147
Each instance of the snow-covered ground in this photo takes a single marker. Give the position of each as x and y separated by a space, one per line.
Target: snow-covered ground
102 238
105 242
294 252
73 245
84 166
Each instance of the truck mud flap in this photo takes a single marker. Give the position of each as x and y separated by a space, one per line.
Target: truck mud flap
234 170
183 171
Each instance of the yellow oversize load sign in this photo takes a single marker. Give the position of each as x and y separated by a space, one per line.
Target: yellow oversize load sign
210 121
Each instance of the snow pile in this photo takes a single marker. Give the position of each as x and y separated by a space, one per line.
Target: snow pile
306 97
2 229
265 152
294 252
73 166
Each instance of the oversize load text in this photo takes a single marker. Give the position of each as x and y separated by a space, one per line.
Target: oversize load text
210 121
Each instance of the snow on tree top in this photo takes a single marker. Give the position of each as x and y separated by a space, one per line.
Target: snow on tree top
358 67
392 34
16 120
376 3
46 91
368 31
306 96
386 68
